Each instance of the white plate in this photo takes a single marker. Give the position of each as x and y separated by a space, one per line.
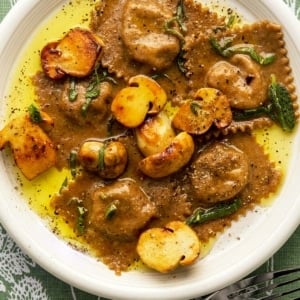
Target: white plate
249 242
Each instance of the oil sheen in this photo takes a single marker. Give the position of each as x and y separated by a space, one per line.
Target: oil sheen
21 94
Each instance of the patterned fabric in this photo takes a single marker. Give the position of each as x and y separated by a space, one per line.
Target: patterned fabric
23 279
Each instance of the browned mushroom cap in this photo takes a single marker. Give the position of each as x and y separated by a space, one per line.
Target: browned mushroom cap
197 115
75 54
143 96
171 159
108 160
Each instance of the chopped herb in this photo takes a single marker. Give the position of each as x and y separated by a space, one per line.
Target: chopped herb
160 75
64 184
181 62
80 220
225 49
180 14
201 215
231 21
280 109
101 154
169 28
111 210
34 114
93 89
72 90
195 108
73 163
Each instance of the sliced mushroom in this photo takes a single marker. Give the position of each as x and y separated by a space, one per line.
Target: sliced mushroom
209 107
164 249
109 160
171 159
155 134
33 151
131 105
75 54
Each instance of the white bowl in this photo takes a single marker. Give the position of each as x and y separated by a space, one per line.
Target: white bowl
239 251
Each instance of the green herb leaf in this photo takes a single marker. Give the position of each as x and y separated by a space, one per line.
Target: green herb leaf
223 48
101 154
169 28
248 114
64 184
181 16
93 90
282 110
34 114
72 90
201 215
73 163
111 210
195 108
80 220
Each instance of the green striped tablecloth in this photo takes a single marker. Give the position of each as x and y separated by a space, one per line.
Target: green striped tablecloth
21 278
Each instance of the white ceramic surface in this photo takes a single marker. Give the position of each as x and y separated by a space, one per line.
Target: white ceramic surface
259 234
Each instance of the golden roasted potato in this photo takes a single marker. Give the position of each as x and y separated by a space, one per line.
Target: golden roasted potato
155 134
171 159
33 151
75 54
109 160
197 116
143 95
164 249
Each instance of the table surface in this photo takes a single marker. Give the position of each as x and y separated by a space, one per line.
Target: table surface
21 278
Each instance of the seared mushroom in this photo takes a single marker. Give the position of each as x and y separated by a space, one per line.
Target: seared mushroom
197 116
164 249
155 134
75 54
109 160
143 95
171 159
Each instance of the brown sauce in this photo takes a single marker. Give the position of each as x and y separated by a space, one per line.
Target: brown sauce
172 197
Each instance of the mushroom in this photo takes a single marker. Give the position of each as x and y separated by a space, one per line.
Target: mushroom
155 134
33 151
75 54
196 116
109 160
143 96
164 249
176 155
